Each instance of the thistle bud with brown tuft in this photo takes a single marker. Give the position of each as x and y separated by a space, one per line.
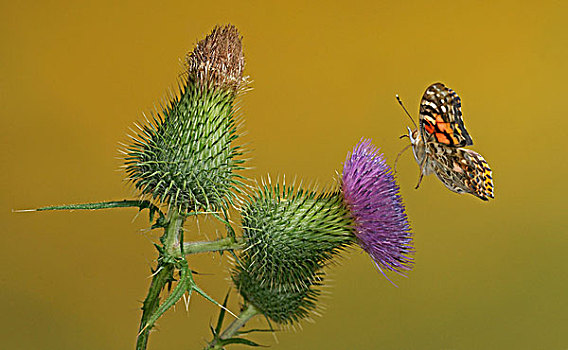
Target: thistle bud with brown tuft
186 157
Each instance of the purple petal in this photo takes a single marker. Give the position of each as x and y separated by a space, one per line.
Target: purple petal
373 197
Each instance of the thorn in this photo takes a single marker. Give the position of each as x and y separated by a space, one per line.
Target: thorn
186 301
23 210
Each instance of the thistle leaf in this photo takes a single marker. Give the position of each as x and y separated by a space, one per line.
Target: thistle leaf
181 287
221 316
243 341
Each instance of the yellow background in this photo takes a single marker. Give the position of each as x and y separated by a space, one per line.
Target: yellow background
76 76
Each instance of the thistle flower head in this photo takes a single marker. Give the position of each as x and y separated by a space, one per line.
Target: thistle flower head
372 196
185 157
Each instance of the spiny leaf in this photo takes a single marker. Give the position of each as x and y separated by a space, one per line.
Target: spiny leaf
221 315
140 204
183 285
254 330
203 294
224 342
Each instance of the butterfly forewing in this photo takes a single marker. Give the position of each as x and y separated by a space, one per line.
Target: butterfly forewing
441 117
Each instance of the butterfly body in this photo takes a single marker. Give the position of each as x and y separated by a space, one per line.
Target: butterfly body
438 144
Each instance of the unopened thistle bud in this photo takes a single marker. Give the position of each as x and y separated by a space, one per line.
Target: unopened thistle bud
280 304
186 157
289 237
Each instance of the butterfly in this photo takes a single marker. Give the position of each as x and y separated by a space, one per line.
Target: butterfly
438 140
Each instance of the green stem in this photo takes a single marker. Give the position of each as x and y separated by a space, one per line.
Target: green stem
249 312
227 243
172 231
164 274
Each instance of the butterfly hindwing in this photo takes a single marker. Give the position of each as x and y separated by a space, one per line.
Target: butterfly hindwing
441 117
463 171
481 179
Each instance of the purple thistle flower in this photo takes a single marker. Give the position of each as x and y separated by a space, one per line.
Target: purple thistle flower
372 196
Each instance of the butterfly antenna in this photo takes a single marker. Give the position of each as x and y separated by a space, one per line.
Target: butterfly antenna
408 114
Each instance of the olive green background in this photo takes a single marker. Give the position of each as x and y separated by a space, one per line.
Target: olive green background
74 77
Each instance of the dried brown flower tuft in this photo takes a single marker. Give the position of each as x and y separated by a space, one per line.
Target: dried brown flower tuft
218 59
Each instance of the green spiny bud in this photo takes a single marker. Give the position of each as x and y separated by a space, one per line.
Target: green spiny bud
185 156
280 305
289 237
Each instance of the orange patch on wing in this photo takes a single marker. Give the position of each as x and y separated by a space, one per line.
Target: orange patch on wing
442 138
429 127
445 127
439 118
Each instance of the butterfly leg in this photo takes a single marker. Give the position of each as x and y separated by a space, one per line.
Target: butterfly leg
399 154
421 173
419 180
